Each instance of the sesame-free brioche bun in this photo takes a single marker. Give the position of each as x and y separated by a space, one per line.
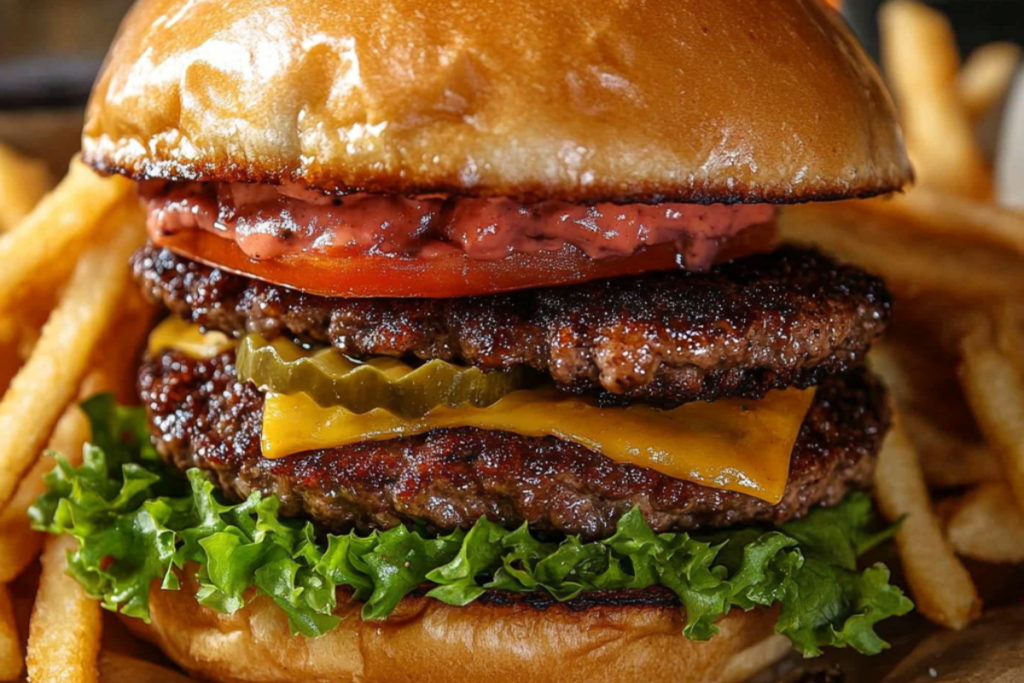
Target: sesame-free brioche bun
615 638
622 100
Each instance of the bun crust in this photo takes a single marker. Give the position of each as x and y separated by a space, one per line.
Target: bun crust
596 100
426 641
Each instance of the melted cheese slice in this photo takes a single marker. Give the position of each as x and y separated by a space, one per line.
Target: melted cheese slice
181 335
736 445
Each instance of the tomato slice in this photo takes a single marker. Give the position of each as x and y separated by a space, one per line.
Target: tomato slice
450 275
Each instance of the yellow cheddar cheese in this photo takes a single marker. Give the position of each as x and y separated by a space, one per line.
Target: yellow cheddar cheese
181 335
737 445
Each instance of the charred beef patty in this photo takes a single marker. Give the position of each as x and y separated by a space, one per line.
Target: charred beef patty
203 417
790 318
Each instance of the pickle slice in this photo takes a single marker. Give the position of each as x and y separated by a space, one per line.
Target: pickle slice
332 379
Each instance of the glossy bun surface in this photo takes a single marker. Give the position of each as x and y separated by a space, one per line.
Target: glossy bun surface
623 100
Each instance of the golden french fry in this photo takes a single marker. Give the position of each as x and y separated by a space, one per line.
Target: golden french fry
950 461
23 182
66 626
48 381
19 544
20 325
994 386
11 659
986 525
117 668
1010 332
917 360
112 371
928 210
912 263
53 236
11 335
921 63
986 77
942 588
748 663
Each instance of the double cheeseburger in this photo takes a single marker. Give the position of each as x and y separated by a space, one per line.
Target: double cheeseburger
480 359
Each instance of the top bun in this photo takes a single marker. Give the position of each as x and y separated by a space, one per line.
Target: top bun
593 100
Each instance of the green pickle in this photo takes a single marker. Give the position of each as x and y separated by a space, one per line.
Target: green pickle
331 378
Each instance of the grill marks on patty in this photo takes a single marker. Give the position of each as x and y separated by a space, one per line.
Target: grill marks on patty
203 417
790 318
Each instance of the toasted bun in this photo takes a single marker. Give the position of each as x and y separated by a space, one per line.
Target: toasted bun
623 100
426 641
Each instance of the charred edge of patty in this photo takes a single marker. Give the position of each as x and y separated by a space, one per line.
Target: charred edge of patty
203 417
763 322
654 596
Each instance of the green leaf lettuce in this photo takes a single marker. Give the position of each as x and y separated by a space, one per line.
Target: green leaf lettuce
138 520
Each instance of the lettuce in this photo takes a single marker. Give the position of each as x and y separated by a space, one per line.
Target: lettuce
139 520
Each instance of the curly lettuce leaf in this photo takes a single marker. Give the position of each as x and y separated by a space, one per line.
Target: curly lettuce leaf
138 521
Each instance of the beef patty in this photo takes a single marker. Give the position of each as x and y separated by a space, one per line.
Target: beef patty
203 417
790 318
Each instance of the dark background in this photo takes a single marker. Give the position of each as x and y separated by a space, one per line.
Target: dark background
977 21
50 50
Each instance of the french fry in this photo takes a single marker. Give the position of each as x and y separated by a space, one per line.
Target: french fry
117 668
23 182
921 63
11 659
66 625
986 76
949 460
20 325
19 545
48 381
942 588
918 365
930 211
52 237
986 525
748 663
912 263
994 386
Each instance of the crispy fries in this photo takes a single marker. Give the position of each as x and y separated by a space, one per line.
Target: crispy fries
755 659
994 386
23 182
947 215
48 381
19 545
986 525
117 668
66 626
942 588
52 237
11 659
921 61
911 261
950 461
986 77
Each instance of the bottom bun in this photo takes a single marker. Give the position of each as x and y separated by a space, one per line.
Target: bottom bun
616 636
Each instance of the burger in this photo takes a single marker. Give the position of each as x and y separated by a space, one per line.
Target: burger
480 357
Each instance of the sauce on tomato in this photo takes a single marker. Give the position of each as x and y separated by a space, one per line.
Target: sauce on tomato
268 222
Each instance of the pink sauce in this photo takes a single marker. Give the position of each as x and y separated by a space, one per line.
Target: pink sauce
267 221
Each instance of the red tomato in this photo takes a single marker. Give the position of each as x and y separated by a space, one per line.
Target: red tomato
454 275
